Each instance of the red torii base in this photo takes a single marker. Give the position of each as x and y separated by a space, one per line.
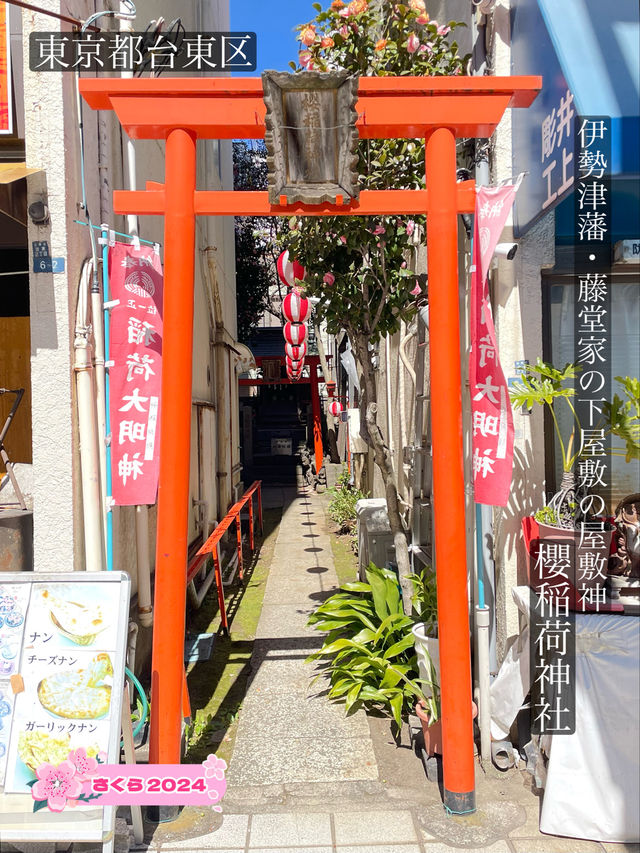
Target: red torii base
437 109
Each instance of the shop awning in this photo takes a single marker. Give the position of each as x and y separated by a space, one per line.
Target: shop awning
597 47
10 172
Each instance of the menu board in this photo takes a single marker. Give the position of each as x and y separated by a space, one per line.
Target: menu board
62 649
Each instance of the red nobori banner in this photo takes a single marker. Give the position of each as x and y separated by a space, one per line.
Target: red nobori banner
135 374
492 418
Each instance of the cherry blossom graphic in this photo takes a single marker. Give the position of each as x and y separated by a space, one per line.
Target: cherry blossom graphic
214 767
56 784
85 766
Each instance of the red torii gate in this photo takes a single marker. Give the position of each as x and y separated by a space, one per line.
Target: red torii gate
438 109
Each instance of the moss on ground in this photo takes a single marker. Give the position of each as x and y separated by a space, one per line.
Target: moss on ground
344 557
217 687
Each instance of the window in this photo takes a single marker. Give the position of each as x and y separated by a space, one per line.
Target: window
558 309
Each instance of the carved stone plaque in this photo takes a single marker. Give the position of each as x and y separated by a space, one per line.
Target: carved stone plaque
311 136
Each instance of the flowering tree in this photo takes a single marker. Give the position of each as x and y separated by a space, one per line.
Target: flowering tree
359 267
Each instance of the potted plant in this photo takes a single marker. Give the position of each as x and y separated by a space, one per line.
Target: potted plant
562 518
623 420
425 636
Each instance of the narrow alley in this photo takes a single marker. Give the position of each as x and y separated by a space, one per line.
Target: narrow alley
303 778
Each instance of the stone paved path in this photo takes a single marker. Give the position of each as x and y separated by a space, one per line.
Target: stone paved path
288 731
303 779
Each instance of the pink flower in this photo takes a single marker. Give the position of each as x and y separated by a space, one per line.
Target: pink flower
214 767
344 13
380 44
417 5
411 225
308 35
344 31
329 278
56 784
327 41
416 290
343 239
443 30
85 766
379 229
413 43
422 19
305 58
403 265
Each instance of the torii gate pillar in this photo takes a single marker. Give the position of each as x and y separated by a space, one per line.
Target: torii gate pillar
437 109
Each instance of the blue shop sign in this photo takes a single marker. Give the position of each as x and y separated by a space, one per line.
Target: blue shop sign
588 57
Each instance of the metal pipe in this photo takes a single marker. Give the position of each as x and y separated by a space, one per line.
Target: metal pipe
97 311
145 609
387 353
88 431
55 15
483 618
143 560
175 446
106 436
448 477
485 569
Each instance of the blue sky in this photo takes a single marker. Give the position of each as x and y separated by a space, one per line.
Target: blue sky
273 22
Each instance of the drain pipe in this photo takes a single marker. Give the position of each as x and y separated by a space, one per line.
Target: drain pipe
88 430
482 514
387 351
145 608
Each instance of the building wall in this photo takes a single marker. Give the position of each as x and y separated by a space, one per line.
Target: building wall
516 293
52 146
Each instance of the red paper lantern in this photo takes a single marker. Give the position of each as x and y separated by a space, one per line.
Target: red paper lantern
292 364
295 333
296 308
289 271
294 352
335 408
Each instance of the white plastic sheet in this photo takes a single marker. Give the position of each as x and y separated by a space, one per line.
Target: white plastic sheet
593 776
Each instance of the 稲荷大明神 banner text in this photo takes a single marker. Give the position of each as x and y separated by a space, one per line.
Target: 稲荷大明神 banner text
141 52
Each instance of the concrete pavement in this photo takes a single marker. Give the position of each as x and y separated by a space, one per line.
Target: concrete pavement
305 779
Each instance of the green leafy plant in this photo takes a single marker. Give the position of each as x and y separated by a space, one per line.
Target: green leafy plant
546 515
543 384
623 416
368 652
342 506
425 599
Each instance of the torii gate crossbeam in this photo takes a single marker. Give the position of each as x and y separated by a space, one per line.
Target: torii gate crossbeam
437 109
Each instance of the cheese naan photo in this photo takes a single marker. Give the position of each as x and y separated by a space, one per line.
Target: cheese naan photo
78 694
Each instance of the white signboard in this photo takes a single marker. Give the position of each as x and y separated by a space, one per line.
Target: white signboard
62 658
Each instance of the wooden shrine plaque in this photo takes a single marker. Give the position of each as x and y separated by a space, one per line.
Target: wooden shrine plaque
311 136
